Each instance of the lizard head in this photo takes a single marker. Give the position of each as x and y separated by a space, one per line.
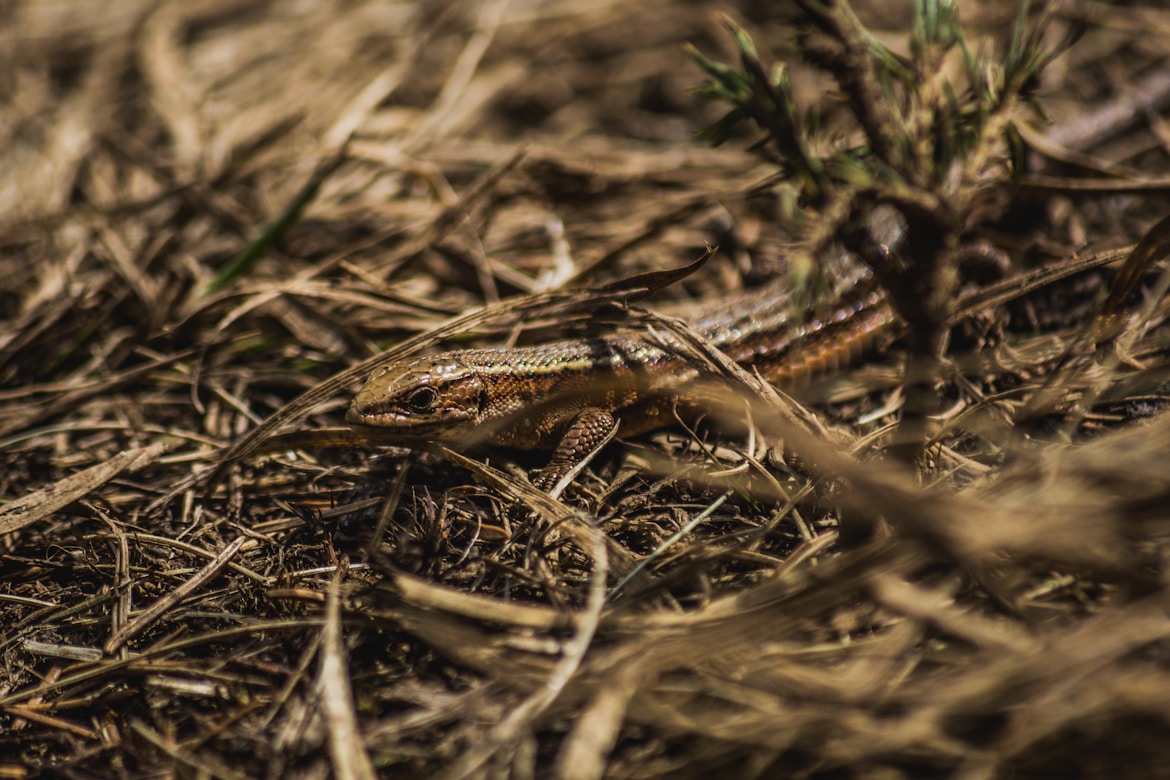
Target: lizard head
435 399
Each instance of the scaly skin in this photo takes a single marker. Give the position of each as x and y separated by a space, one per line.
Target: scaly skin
568 395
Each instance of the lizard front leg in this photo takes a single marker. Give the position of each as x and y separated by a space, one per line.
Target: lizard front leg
588 431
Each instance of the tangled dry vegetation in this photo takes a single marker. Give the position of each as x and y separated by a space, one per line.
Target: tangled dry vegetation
211 212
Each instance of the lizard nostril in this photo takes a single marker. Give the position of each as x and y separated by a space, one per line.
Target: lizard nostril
354 415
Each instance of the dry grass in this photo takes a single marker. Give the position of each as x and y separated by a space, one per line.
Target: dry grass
686 609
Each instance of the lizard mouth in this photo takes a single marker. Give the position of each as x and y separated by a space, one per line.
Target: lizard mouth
361 415
390 425
368 415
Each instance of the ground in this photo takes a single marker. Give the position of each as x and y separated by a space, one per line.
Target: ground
946 559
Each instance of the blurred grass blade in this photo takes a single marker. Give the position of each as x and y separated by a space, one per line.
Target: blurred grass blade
244 260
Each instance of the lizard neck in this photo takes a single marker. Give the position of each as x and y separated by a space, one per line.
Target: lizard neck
534 393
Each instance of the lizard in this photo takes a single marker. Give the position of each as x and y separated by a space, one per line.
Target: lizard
570 395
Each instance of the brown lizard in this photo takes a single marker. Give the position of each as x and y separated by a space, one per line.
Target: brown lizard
569 395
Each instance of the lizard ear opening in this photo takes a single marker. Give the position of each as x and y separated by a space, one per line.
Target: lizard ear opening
483 399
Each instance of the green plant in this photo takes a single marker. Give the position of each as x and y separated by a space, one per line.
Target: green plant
931 135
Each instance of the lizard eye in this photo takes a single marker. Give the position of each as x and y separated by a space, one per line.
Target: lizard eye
423 400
